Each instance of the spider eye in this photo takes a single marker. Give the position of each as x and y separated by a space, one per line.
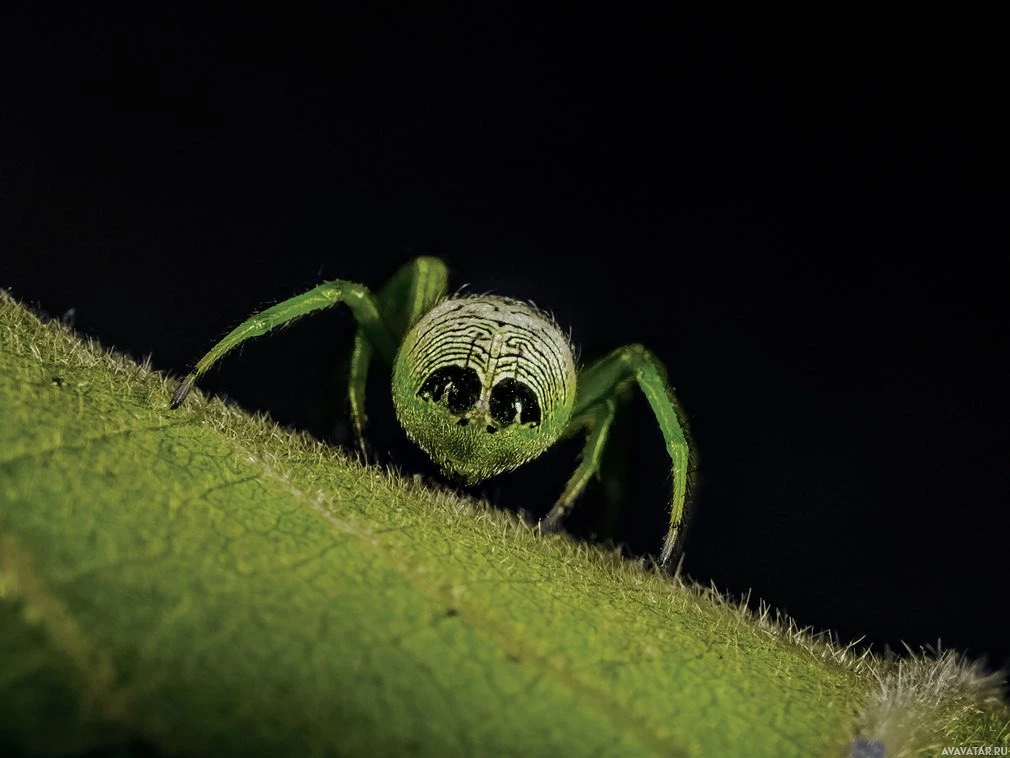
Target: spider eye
456 387
512 401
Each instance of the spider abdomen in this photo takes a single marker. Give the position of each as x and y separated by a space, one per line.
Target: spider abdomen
484 384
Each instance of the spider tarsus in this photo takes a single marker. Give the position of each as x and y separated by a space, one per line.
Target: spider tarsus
182 391
363 449
667 552
549 524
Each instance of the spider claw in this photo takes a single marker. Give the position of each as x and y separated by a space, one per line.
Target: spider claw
669 545
363 450
550 523
182 391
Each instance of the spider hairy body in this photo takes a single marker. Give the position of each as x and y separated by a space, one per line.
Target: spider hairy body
484 384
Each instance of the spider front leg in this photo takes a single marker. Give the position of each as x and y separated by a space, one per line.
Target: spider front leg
382 321
357 297
596 421
600 388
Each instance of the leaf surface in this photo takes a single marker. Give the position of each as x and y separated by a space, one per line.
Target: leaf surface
203 582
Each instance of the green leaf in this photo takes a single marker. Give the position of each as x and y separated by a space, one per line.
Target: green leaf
203 582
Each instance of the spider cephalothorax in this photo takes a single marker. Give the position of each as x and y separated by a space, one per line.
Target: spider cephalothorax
484 384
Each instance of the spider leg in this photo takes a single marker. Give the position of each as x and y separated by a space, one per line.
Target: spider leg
600 385
357 297
596 420
410 293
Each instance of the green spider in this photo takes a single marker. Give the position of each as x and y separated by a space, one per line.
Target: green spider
484 383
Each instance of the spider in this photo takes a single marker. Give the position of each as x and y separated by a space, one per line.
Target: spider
484 384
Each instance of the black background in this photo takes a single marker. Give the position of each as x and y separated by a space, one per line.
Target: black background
805 217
